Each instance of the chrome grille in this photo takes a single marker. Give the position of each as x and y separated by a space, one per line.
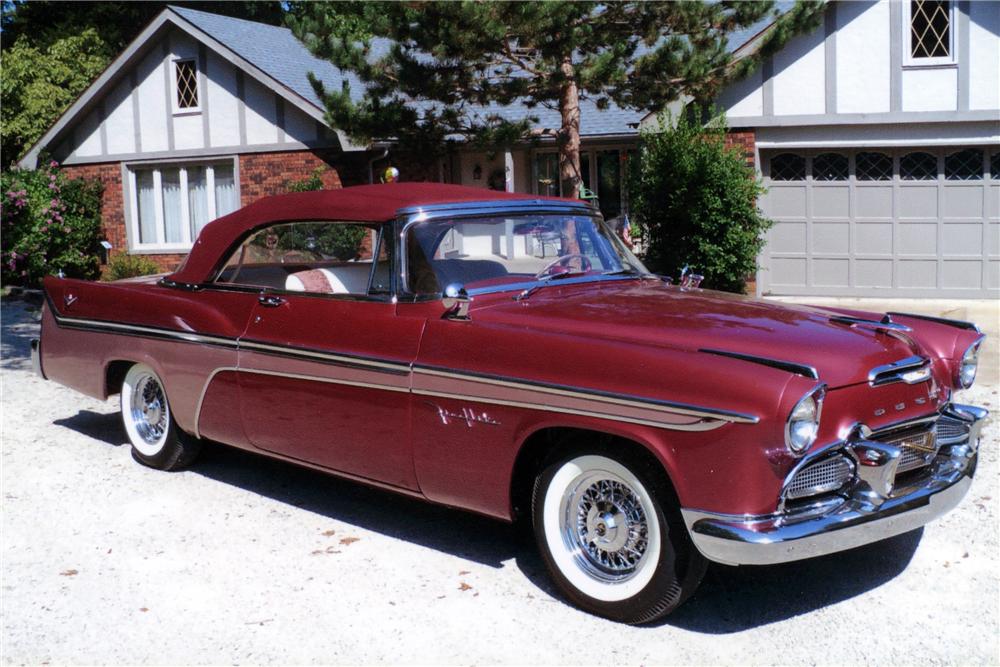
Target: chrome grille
918 448
822 477
950 430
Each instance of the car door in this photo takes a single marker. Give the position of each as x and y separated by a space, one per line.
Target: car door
324 364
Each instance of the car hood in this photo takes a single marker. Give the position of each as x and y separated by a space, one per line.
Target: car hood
653 313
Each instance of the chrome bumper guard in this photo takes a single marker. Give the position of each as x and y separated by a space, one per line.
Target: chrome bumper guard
36 358
874 508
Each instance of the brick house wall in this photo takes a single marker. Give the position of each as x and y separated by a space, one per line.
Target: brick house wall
745 140
112 203
263 174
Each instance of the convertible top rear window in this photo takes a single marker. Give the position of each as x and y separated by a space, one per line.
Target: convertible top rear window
312 257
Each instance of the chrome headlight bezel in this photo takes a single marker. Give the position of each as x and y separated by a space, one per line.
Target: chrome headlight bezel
808 410
968 365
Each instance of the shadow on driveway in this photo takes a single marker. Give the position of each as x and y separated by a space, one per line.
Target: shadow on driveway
732 599
729 600
104 427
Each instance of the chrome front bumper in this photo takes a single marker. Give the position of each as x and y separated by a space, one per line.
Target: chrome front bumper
36 358
872 510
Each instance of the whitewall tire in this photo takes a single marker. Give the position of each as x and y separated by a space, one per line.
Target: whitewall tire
609 542
156 441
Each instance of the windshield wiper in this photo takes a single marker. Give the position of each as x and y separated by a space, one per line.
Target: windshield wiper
542 282
628 271
561 276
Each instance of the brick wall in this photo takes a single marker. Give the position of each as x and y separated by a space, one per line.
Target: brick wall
745 140
263 174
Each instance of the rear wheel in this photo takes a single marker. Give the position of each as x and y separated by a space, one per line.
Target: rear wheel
612 539
156 441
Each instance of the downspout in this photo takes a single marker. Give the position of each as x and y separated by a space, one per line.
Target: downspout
371 163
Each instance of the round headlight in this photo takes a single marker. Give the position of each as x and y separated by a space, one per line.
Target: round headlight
970 362
803 422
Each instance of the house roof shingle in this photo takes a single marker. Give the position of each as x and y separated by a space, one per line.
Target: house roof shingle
277 52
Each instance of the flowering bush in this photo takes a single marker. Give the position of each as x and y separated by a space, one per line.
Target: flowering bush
48 223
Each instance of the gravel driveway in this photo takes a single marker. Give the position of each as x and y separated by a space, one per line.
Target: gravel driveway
246 560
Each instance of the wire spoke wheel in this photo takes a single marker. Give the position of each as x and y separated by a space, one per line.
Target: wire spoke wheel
608 540
155 438
605 525
150 413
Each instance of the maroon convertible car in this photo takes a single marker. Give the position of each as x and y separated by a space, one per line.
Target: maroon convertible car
506 354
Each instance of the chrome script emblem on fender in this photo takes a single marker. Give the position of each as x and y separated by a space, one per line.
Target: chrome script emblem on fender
468 416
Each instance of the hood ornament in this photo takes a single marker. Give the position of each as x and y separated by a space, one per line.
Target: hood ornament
690 279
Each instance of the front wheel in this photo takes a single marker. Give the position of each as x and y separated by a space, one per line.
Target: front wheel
610 542
156 440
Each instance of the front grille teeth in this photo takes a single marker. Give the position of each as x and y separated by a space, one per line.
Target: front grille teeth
919 449
821 477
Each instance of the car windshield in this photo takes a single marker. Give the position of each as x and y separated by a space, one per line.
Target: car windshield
505 252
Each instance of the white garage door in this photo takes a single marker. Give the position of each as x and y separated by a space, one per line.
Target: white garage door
907 223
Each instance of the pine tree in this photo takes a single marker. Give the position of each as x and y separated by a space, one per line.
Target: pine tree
436 72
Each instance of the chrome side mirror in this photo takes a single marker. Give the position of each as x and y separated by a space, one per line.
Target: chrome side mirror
456 302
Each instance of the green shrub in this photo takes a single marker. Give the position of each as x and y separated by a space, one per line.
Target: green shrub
50 223
312 182
124 265
694 203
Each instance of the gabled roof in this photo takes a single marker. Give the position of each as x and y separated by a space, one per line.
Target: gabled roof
274 57
272 49
278 41
276 51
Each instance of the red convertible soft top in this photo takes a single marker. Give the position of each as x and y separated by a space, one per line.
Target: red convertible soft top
360 203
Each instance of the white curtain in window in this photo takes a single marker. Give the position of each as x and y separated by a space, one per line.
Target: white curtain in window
146 206
172 215
225 190
197 199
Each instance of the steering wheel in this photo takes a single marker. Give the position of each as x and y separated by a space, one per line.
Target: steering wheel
585 265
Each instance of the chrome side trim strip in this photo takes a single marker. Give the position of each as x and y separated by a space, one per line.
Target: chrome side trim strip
295 376
101 326
709 418
790 366
700 425
317 355
960 324
593 395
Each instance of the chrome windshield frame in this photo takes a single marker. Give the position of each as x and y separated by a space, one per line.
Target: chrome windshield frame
410 216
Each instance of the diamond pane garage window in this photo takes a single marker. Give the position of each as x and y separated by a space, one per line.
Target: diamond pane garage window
830 167
187 84
930 29
873 167
788 167
995 166
918 167
964 165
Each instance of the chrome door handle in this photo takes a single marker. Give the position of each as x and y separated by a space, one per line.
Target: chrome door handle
270 300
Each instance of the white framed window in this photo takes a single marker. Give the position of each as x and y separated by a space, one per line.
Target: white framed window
929 28
186 93
169 204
